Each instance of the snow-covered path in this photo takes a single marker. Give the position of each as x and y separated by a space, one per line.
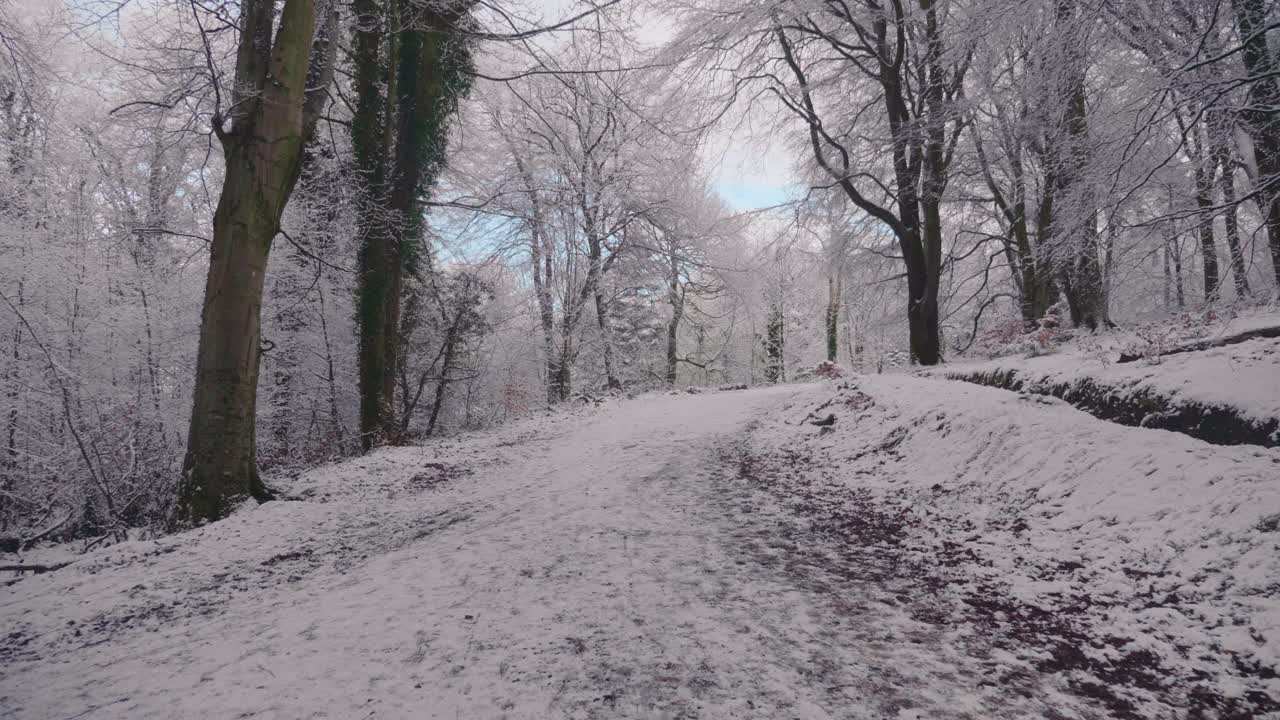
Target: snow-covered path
576 572
608 563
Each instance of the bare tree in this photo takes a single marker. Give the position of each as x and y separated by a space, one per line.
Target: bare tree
1262 113
280 87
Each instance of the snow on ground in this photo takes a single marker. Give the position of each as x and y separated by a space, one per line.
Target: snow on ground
1243 376
1138 566
937 550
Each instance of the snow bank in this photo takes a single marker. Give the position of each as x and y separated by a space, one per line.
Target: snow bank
1140 565
1229 394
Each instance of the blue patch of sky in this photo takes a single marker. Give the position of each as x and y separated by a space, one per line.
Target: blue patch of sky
752 196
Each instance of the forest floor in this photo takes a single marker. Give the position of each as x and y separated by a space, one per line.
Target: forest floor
889 547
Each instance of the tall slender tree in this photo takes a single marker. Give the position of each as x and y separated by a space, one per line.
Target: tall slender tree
412 61
1262 113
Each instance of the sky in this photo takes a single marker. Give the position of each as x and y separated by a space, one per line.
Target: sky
747 195
751 171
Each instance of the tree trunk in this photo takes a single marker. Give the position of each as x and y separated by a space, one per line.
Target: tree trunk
1176 256
923 314
549 351
1040 292
371 308
563 384
450 346
1273 236
1227 184
1262 113
221 467
273 114
673 359
371 136
1036 286
424 67
833 317
422 112
922 321
541 261
775 369
391 339
602 319
330 378
921 238
1204 202
10 463
1108 268
1082 282
1070 154
11 441
673 325
546 319
1208 250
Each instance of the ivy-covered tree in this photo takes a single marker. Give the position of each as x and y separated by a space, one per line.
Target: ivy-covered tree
412 62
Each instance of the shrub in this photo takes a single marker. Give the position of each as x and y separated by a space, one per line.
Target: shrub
829 369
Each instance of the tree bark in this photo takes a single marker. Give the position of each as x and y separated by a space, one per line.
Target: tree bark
606 341
676 298
1227 185
1203 176
833 317
423 107
1069 156
1262 113
330 378
11 441
563 384
280 88
924 271
775 369
1208 248
372 131
1173 251
407 86
593 287
1168 276
541 263
450 345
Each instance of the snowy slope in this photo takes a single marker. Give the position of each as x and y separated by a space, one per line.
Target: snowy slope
1140 566
1243 378
713 556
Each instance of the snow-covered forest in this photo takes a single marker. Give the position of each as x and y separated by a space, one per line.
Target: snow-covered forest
640 358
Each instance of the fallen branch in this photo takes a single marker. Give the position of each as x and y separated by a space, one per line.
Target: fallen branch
31 541
17 544
1262 333
34 568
